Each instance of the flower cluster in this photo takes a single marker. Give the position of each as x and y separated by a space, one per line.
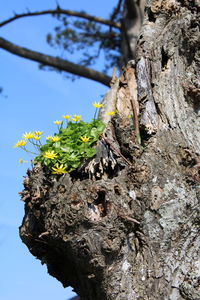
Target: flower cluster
64 151
31 136
75 118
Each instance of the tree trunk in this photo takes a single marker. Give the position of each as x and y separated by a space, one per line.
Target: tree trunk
126 225
133 14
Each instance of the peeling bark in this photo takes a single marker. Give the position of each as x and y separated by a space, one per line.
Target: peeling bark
126 224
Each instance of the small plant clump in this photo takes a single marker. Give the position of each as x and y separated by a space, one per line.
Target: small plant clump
66 150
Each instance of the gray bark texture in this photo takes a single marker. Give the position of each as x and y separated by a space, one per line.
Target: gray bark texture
126 225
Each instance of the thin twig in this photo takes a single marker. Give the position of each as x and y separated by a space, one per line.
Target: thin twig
127 217
116 10
60 11
135 119
134 104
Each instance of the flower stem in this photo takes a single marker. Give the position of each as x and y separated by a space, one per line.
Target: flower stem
28 151
95 114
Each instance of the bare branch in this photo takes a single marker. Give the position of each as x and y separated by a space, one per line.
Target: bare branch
116 10
58 63
60 11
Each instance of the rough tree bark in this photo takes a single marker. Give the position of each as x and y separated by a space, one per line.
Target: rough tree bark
126 225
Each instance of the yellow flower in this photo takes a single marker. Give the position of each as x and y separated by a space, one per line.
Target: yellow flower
66 117
59 169
28 135
76 118
37 138
21 161
49 138
97 104
84 139
57 122
50 154
38 133
55 139
20 144
111 113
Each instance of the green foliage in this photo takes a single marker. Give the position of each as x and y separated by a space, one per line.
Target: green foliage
74 147
89 39
69 148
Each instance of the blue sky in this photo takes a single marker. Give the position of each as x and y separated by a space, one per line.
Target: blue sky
34 100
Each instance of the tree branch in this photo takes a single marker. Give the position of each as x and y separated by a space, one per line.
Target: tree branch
64 12
116 10
58 63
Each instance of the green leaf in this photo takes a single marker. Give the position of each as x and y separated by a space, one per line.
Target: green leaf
71 151
94 132
66 149
90 152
